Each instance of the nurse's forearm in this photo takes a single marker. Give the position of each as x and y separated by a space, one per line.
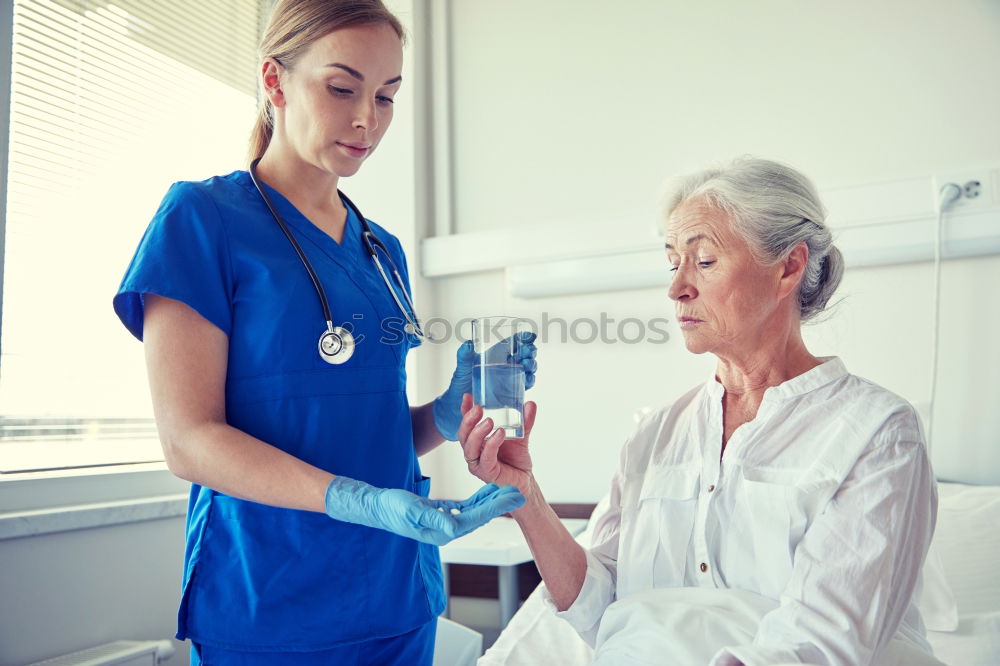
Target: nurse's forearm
223 458
187 358
559 558
426 436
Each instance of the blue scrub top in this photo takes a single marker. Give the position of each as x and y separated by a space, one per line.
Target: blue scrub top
256 577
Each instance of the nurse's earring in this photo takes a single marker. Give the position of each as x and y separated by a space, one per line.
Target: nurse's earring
270 70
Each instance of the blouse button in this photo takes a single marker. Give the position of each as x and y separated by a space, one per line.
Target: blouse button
711 488
703 567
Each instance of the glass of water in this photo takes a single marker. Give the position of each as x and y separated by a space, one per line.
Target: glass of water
498 376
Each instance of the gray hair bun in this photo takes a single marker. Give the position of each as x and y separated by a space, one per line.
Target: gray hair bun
773 208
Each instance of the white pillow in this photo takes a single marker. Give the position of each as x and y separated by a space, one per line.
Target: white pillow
967 540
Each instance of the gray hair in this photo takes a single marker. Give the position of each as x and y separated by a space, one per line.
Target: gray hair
773 208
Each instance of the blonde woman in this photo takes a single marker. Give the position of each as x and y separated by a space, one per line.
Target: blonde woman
276 322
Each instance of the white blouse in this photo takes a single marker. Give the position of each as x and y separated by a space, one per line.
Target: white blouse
824 502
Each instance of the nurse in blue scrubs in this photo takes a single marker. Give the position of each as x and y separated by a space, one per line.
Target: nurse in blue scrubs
310 538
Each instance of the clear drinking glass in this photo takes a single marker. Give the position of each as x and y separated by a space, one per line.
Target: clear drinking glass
498 376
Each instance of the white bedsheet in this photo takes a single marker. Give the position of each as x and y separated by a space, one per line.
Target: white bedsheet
681 625
684 626
967 541
690 625
536 636
976 642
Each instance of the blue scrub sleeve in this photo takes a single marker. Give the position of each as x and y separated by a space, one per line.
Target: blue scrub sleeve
184 255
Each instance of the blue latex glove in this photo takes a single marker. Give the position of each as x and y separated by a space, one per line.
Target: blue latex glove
448 406
409 515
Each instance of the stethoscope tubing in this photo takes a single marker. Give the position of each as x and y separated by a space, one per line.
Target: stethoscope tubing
411 314
372 244
327 316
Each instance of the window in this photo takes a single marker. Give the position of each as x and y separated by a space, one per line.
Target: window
110 102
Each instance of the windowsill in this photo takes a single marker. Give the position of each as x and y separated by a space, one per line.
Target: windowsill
86 516
21 453
58 501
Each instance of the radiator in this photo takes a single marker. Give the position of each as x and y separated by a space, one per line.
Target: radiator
118 653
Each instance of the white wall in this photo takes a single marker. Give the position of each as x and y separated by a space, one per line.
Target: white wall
66 591
576 109
570 110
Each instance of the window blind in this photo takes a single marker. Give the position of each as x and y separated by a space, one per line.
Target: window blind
111 102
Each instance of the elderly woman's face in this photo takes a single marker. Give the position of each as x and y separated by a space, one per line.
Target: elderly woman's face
723 298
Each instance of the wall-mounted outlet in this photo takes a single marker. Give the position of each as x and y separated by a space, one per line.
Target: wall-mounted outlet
978 188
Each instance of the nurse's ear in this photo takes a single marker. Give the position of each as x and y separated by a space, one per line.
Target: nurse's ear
271 73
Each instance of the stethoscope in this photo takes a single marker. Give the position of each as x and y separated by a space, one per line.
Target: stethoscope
336 344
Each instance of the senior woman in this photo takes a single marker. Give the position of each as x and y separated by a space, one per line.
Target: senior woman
783 482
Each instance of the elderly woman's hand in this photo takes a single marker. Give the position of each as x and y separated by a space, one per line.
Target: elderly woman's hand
491 457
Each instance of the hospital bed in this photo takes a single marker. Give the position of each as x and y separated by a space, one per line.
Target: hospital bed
960 599
456 645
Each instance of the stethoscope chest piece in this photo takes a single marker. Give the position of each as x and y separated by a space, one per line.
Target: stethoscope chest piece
336 345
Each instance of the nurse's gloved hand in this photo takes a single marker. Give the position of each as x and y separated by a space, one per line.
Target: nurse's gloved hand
448 406
409 515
